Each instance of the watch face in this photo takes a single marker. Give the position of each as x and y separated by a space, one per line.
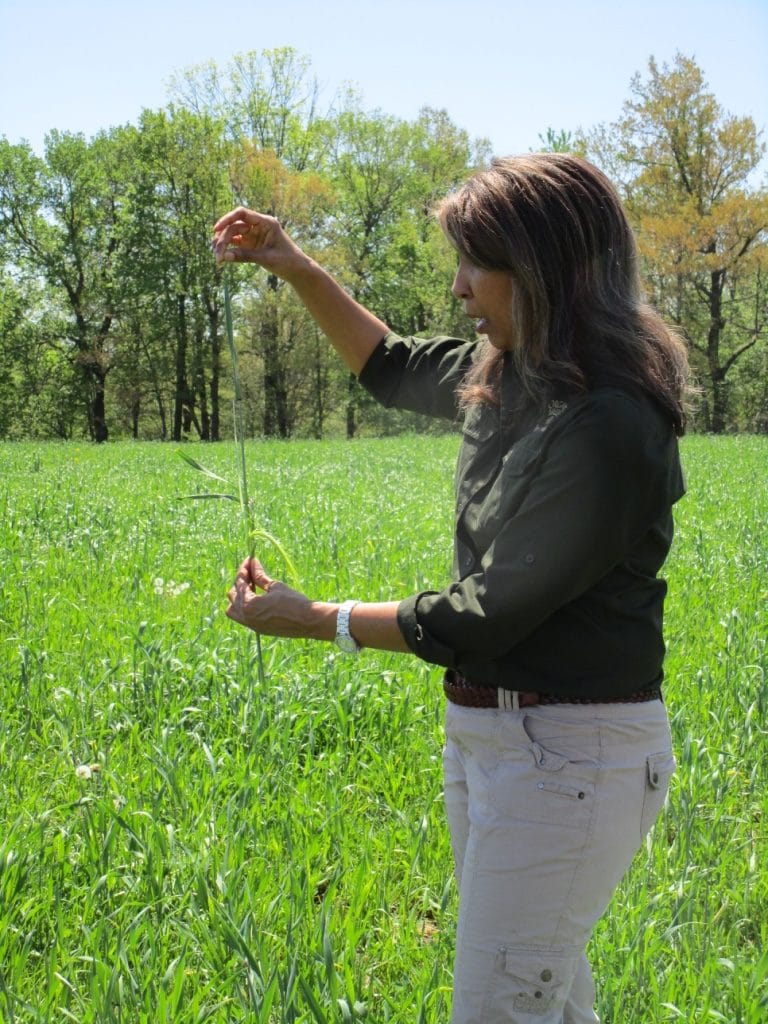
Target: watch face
348 644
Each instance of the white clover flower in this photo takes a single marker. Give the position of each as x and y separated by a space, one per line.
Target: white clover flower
169 588
83 771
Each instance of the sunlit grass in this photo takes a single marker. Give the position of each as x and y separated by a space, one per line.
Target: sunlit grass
269 851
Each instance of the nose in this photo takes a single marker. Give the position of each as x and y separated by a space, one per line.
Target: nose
460 287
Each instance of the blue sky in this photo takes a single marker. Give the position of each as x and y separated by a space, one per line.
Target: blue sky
503 69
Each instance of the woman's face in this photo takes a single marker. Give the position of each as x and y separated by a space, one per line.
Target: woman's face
488 297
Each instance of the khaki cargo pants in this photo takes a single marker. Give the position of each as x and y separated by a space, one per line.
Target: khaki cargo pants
546 807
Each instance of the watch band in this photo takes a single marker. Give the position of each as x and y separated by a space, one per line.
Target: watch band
344 639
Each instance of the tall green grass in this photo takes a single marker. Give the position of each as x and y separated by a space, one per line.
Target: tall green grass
182 842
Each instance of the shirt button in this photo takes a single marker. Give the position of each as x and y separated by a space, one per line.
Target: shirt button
530 559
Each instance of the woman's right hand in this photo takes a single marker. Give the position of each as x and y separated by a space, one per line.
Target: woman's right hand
245 236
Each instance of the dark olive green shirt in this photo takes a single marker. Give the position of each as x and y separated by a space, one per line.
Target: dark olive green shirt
563 520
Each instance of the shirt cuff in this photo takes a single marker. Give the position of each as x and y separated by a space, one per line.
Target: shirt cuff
420 641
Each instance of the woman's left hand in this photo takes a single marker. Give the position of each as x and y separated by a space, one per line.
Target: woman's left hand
268 606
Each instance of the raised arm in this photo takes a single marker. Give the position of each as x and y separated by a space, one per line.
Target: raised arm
245 236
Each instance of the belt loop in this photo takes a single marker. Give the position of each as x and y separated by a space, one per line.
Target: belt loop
508 700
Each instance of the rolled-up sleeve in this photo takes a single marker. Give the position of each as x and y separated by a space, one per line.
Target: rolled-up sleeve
604 478
421 375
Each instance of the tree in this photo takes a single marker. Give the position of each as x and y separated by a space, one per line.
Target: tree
685 166
561 141
268 102
38 393
179 187
387 174
268 98
61 216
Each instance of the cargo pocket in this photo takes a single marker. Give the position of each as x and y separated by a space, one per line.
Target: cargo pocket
530 981
659 769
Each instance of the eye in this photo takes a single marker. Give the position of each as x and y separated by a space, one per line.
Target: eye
466 266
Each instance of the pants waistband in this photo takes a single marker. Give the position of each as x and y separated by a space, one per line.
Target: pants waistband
460 691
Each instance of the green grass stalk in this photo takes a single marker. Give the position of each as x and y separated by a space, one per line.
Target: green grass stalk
239 431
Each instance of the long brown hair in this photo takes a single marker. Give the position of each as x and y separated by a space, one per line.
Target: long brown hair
556 223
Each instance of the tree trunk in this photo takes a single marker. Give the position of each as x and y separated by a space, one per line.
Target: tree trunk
705 416
276 416
157 390
92 367
205 419
97 412
719 404
215 381
200 392
190 416
716 372
181 367
351 406
319 403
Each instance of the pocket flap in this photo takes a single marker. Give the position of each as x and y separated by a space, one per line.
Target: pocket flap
539 980
659 768
547 760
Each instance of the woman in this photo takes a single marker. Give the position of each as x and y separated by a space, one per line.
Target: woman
557 755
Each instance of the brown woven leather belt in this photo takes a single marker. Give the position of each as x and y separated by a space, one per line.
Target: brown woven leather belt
459 691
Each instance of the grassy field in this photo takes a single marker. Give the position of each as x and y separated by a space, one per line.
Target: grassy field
181 842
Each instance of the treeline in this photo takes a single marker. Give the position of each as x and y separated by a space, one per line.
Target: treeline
111 305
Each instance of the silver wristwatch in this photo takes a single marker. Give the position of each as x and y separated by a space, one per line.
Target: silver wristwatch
344 639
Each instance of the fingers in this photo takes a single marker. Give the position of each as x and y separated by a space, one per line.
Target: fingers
240 215
258 575
251 573
236 254
239 233
235 242
248 597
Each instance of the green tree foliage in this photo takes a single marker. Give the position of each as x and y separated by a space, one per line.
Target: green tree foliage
61 219
173 330
111 303
37 381
269 98
281 336
268 104
386 175
560 141
685 166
